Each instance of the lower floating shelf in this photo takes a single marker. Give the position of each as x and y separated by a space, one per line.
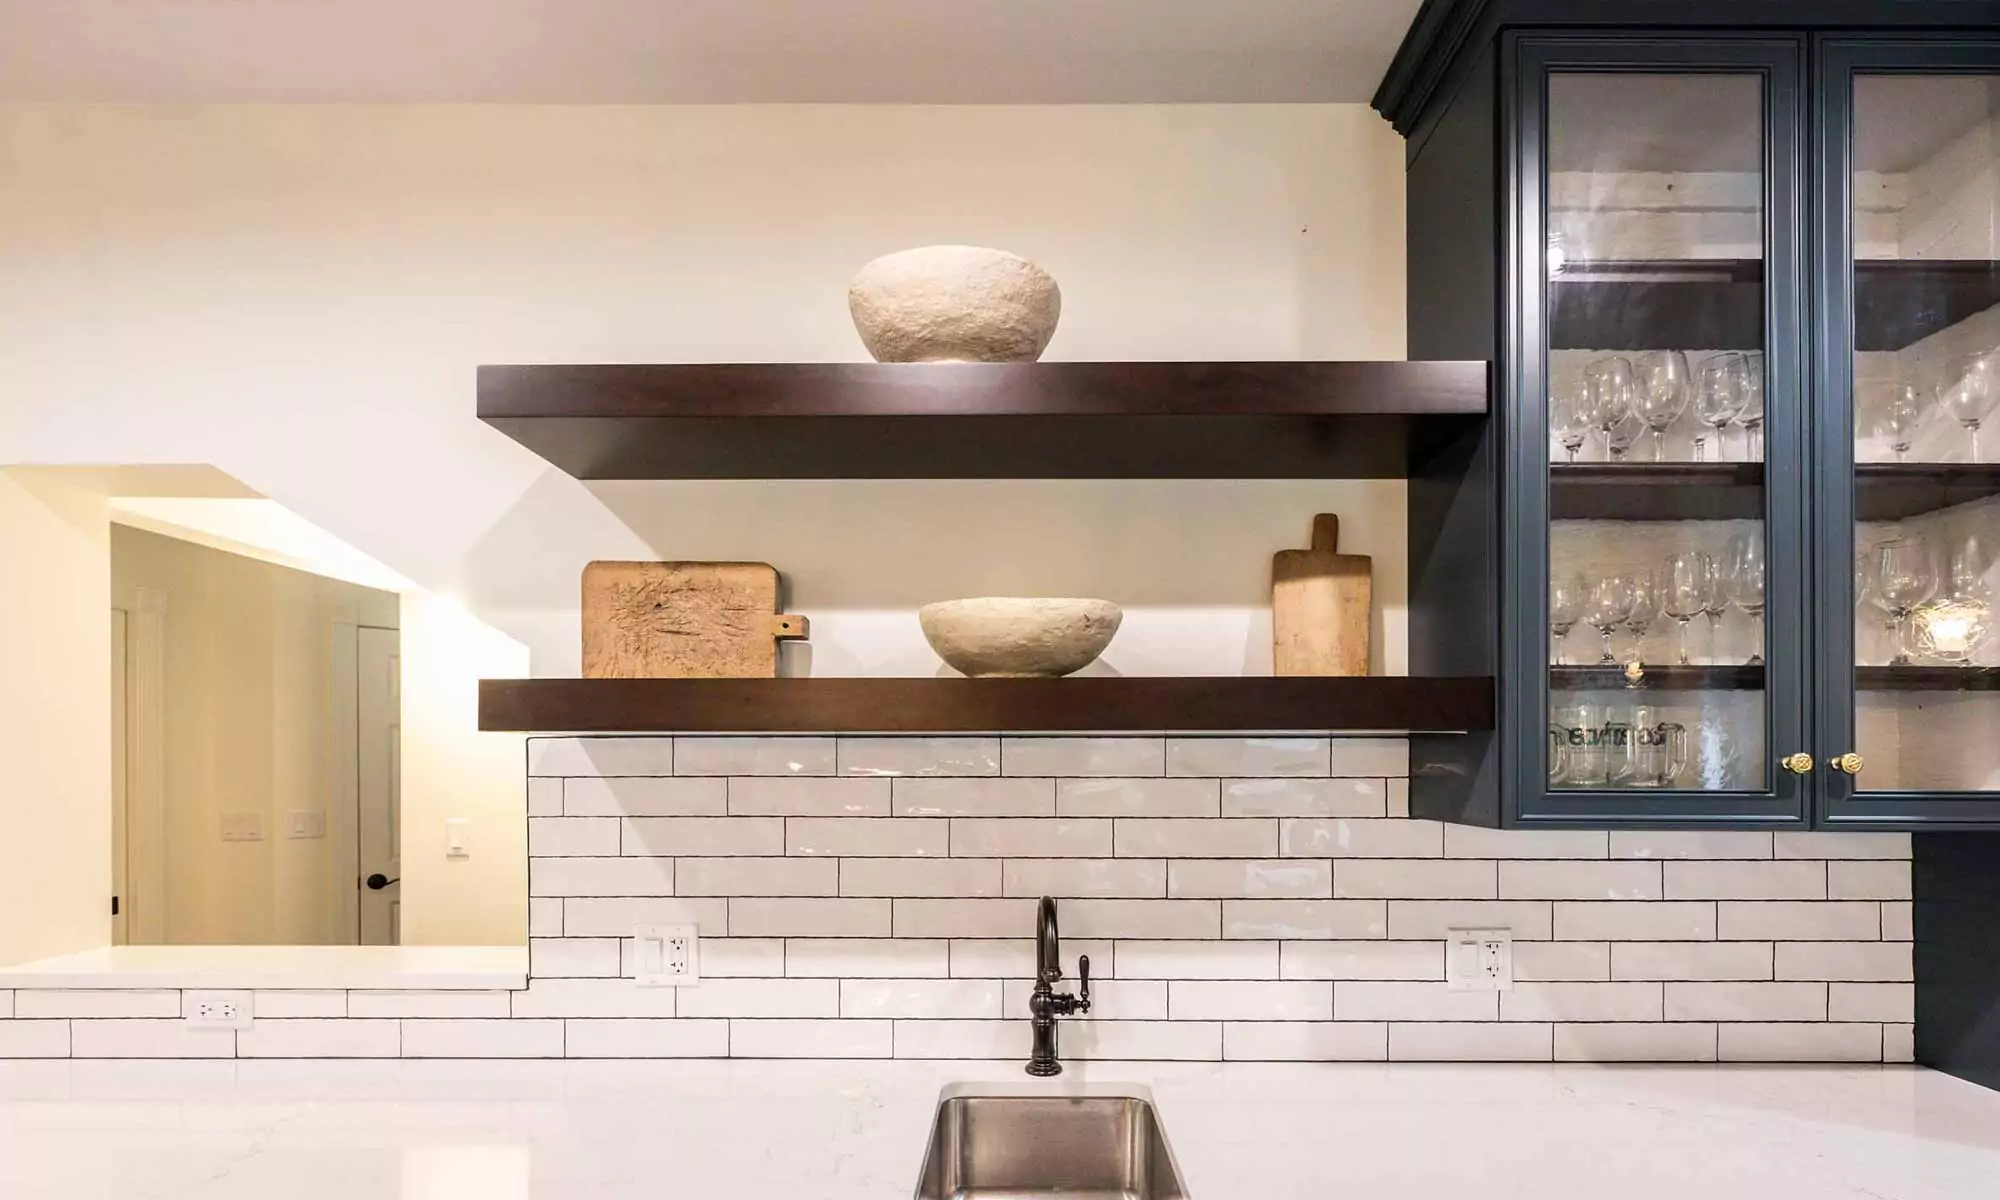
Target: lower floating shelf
1096 704
1739 678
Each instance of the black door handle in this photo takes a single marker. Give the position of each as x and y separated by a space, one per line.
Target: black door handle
378 881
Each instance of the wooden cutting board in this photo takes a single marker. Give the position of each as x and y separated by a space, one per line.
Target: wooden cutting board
1319 606
683 620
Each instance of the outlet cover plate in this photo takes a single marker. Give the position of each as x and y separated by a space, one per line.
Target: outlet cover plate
1479 960
666 955
217 1010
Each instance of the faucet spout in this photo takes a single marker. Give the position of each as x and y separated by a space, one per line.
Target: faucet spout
1048 943
1044 1005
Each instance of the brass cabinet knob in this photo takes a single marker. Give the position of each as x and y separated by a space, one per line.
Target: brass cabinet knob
1797 764
1849 762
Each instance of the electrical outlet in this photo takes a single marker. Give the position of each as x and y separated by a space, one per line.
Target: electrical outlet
216 1010
667 955
1479 960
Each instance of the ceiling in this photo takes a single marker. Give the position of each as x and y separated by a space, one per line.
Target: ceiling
698 51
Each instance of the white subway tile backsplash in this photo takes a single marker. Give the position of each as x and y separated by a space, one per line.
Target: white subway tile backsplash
620 1038
1083 756
1691 960
962 1039
1633 1042
1472 841
1139 798
1820 1042
600 877
1304 919
1562 962
1078 837
30 1002
1363 960
1745 880
307 1038
1798 920
1308 837
149 1039
1229 757
1864 880
1580 881
574 957
974 798
757 877
601 756
753 756
1182 838
514 1038
6 1003
808 918
1397 801
919 756
615 917
1697 844
707 837
1308 798
759 998
1010 918
975 999
1163 1041
1102 878
1197 960
1146 919
1898 921
1110 999
594 998
1626 921
1563 1002
545 797
1470 1042
544 917
562 837
1867 962
1418 920
1387 757
1746 1001
1005 958
1899 1043
1249 1000
920 876
866 958
894 837
1305 1041
1248 879
1889 1002
722 958
1414 879
1375 1000
289 1004
811 1039
393 1005
644 797
1843 845
807 796
34 1039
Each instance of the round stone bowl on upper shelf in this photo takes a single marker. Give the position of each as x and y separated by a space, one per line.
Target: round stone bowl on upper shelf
1007 637
954 304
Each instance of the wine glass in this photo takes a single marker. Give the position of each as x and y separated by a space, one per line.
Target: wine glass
1569 418
1743 579
1905 576
1752 418
1662 394
1718 400
1645 610
1607 394
1866 593
1902 411
1689 579
1971 388
1609 606
1718 606
1618 440
1566 596
1955 626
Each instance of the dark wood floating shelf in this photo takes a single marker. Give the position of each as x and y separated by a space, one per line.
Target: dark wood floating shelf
1202 420
1644 491
1094 704
1928 679
1719 304
1740 678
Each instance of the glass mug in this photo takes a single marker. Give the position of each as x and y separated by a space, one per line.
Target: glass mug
1594 744
1656 755
1558 756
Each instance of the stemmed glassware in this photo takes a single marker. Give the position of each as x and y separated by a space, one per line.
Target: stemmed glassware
1566 598
1645 610
1718 607
1953 627
1752 417
1569 418
1905 576
1619 440
1607 396
1689 582
1969 392
1743 579
1609 606
1719 396
1662 393
1902 411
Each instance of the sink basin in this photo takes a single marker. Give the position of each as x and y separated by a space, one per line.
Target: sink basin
1049 1147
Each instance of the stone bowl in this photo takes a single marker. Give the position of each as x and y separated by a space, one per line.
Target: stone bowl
1006 637
954 304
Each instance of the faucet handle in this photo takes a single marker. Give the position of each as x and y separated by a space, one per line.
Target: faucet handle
1083 975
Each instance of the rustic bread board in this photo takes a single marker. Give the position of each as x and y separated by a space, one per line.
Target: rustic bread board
683 620
1319 606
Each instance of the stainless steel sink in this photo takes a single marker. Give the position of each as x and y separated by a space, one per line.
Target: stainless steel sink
1049 1147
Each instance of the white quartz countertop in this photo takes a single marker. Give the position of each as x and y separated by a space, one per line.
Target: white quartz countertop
848 1131
309 968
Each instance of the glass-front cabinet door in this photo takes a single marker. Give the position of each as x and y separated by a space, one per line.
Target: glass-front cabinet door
1909 458
1658 526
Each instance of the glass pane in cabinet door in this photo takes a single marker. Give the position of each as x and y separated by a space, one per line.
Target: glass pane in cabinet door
1656 379
1926 220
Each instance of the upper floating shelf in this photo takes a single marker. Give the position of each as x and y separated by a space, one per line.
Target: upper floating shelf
1719 304
1210 420
1643 491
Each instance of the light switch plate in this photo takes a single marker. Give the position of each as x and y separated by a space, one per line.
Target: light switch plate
666 955
306 823
1479 960
457 837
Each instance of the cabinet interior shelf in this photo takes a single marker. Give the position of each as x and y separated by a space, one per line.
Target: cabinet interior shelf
1112 420
1098 704
1643 491
1741 678
1718 304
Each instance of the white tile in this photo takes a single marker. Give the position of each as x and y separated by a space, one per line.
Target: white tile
1467 1042
1842 845
963 1039
600 877
34 1039
595 998
1632 1042
574 958
757 877
1139 837
754 756
1230 757
515 1038
645 797
1342 837
1066 837
1863 880
1890 1002
6 1003
868 837
544 917
593 916
919 756
1625 921
810 1039
1305 1041
1014 958
922 998
1065 878
1899 1043
761 998
1800 1043
1306 798
1138 797
1580 880
1304 919
1420 920
149 1039
1250 879
320 1039
1397 802
1389 757
974 798
721 958
706 837
1868 962
1363 960
601 756
1249 1000
1197 960
1414 878
1372 1000
1083 756
1561 962
1149 919
1745 880
37 1003
428 1004
1142 1041
807 796
545 797
968 877
1582 1002
1010 918
1746 1001
554 837
1697 844
1898 921
808 918
1110 999
1798 920
1472 841
867 958
1691 960
289 1004
645 1039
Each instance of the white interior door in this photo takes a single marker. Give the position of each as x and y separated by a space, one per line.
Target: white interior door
120 730
379 737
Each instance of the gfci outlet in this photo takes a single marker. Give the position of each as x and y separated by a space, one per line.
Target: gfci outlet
216 1010
666 955
1479 960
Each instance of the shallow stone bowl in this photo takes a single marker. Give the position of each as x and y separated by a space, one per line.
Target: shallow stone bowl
954 304
1006 637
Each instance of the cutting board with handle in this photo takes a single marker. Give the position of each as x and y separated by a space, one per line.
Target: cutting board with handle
683 620
1319 606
